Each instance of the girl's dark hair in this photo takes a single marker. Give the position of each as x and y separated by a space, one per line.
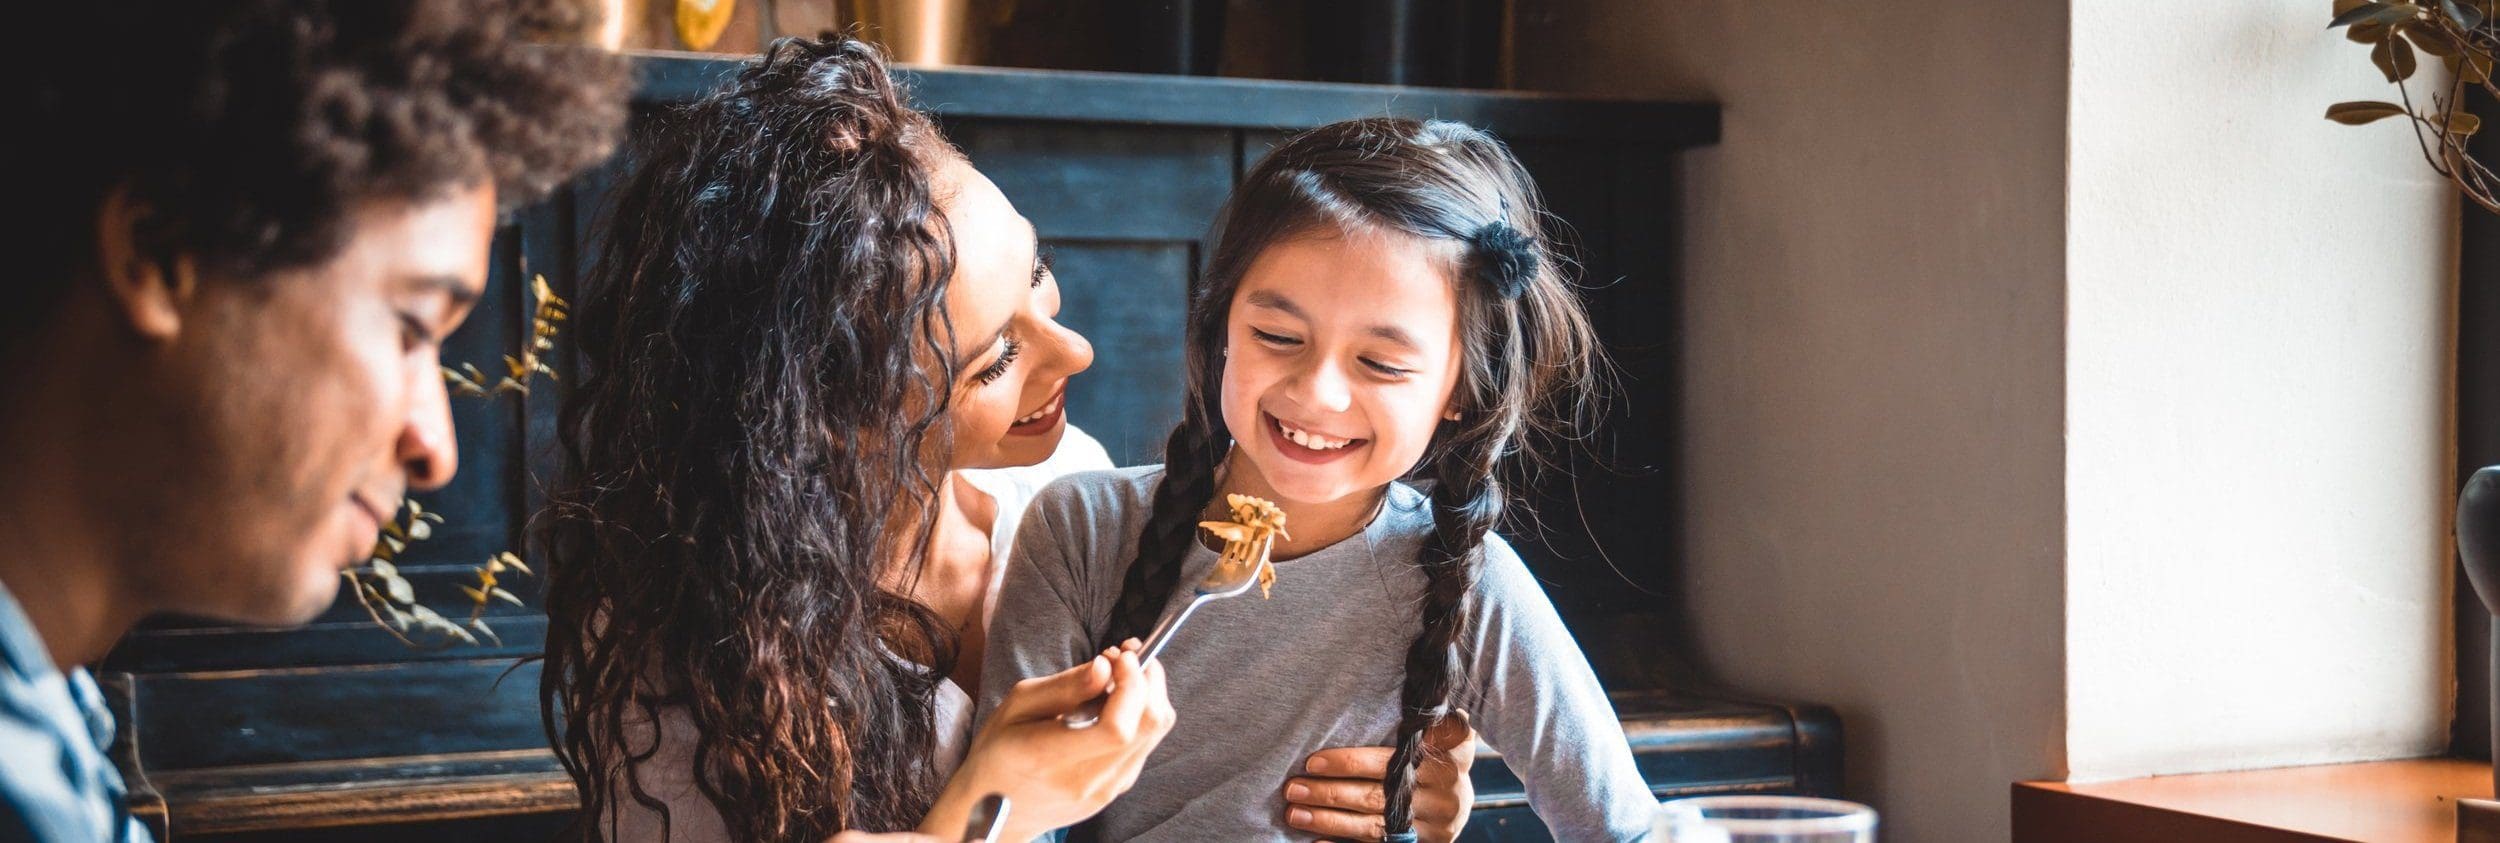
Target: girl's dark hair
1529 354
766 363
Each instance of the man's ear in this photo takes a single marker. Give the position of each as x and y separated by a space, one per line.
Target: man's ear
144 287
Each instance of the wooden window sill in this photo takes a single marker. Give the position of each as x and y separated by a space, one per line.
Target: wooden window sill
2412 801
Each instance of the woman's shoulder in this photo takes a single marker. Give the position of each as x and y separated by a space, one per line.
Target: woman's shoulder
1014 485
1099 494
1077 451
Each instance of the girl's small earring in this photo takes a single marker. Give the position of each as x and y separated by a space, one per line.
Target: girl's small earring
1227 352
1450 416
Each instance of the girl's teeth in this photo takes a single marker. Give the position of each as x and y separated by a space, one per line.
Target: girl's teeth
1312 441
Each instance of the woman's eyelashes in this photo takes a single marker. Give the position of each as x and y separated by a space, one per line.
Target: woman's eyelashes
1041 265
998 368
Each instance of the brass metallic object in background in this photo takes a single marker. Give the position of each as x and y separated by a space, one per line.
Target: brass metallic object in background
620 24
726 26
931 32
700 22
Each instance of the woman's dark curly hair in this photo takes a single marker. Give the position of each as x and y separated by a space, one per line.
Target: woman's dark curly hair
252 128
750 454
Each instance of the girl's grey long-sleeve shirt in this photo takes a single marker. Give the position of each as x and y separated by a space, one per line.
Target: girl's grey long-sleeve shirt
1259 685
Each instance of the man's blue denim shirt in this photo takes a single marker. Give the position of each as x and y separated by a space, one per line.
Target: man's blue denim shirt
56 784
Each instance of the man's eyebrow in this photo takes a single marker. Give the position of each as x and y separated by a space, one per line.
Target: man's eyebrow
458 288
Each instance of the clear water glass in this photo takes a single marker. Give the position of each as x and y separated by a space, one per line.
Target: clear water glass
1763 819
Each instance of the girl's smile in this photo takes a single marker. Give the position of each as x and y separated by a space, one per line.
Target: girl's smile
1303 444
1341 353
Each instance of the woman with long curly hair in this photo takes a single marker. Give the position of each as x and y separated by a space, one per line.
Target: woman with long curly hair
823 379
807 311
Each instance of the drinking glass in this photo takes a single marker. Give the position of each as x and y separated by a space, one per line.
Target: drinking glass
1763 819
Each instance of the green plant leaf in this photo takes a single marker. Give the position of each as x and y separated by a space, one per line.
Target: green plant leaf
419 530
2342 6
513 599
2434 40
399 589
2379 13
513 561
2368 33
2460 122
479 624
383 567
2365 111
2356 14
2394 58
2465 15
475 596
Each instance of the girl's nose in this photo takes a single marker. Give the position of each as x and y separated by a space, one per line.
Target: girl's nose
1324 387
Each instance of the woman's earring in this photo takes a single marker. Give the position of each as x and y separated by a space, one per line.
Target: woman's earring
1450 416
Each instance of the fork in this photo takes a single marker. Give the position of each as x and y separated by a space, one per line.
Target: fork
989 817
1225 581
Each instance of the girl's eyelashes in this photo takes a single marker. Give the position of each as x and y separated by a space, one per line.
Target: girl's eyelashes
998 368
1041 264
1281 341
1274 339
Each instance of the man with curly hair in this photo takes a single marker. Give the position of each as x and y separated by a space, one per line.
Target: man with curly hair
246 225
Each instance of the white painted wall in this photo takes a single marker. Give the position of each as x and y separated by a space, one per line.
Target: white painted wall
1873 381
2132 463
2257 468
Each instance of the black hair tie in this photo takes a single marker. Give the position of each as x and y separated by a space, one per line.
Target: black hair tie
1505 258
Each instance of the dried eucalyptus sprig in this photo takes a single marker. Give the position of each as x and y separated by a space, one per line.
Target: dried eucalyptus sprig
468 381
2463 34
391 601
386 596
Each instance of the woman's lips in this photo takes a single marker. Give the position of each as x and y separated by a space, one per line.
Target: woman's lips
1045 419
1301 453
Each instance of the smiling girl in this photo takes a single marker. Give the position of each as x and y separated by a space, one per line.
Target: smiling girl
1380 330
